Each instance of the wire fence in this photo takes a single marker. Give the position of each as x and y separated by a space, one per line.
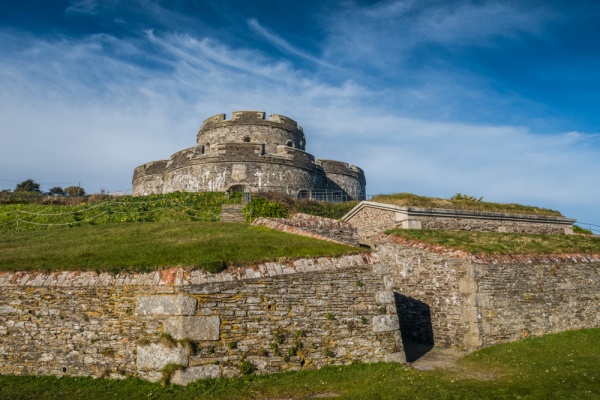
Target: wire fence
595 229
174 207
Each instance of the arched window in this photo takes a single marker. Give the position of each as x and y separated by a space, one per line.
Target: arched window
303 194
290 143
247 139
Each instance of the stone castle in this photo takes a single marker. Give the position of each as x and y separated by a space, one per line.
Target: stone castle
249 152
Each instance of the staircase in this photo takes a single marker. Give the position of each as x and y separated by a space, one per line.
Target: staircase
232 213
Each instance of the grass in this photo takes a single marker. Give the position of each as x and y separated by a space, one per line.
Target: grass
412 200
504 243
150 246
560 366
125 209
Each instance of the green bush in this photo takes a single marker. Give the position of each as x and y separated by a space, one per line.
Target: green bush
578 229
262 207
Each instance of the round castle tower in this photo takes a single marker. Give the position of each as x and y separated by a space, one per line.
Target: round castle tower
249 152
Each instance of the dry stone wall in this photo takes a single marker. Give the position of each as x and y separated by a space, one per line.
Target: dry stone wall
305 314
519 300
313 226
455 299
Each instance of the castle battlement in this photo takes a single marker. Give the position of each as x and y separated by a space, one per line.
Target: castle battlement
251 118
250 151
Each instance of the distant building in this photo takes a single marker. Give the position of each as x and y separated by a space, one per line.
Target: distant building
249 152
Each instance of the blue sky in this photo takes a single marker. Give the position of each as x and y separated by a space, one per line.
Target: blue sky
490 98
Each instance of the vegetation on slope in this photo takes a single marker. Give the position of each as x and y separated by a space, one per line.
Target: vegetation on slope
154 208
534 368
460 202
145 247
504 243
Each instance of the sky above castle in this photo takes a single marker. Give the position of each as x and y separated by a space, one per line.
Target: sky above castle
489 98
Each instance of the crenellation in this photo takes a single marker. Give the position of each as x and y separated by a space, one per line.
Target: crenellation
251 152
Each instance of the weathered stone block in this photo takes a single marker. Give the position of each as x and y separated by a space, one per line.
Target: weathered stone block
385 323
194 328
192 374
179 304
385 297
155 356
398 357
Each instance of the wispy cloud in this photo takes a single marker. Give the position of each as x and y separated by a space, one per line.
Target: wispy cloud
82 7
282 44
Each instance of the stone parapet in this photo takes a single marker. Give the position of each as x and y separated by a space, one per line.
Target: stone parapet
372 218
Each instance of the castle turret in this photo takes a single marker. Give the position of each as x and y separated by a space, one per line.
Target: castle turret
251 126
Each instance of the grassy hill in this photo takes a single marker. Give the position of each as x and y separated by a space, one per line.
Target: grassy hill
149 246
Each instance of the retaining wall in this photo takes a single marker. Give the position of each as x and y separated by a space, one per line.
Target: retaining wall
277 317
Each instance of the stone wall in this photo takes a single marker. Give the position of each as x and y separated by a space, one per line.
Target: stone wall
252 127
305 314
434 295
313 226
519 300
372 218
454 299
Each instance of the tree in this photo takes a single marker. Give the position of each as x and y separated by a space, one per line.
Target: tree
28 185
74 191
57 190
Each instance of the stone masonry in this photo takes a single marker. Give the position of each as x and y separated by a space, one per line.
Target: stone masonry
372 218
249 152
278 317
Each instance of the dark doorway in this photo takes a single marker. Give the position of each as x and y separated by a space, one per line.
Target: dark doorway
415 326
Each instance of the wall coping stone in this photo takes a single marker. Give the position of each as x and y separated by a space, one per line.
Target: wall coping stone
451 213
182 276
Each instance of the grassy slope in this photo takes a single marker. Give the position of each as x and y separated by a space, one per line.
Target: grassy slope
149 246
560 366
504 243
412 200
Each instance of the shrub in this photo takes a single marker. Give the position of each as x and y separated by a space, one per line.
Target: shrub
262 207
578 229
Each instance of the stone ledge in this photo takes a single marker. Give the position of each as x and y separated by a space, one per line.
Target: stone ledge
179 276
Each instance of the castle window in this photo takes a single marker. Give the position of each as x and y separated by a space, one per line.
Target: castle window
247 139
303 194
290 143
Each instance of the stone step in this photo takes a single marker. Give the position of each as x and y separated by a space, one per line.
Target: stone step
232 213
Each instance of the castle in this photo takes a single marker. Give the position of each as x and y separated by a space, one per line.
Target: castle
249 152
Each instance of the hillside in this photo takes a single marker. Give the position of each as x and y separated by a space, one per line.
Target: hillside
211 246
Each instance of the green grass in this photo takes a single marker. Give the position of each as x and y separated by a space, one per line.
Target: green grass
412 200
151 246
560 366
504 243
154 208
